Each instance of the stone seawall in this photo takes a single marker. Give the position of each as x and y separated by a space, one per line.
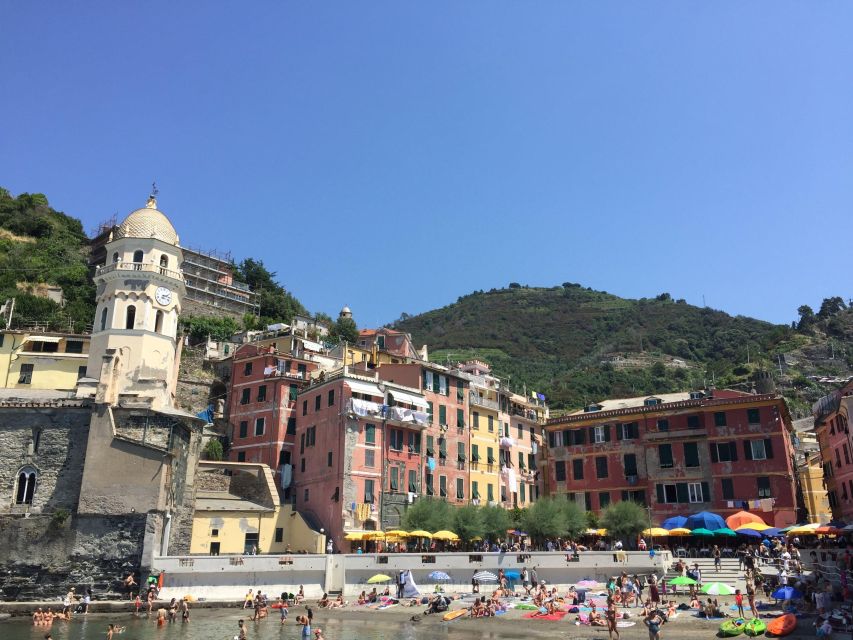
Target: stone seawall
42 557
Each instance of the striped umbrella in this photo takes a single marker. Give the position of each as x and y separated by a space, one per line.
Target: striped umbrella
438 576
485 576
717 589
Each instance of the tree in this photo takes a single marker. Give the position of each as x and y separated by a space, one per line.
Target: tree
807 317
552 518
624 520
468 522
831 307
344 330
276 304
219 328
429 514
213 450
495 522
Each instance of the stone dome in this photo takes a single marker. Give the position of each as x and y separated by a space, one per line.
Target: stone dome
147 223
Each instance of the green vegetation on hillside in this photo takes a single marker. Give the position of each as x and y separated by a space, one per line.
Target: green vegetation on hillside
577 345
41 246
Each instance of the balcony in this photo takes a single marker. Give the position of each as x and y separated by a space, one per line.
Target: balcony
139 266
478 401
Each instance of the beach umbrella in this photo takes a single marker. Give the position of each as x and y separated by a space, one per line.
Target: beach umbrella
379 577
438 576
755 526
516 532
772 532
657 532
485 576
787 529
444 535
512 575
725 531
702 532
717 589
419 533
679 531
675 522
586 583
742 518
354 535
846 529
752 533
477 539
372 535
681 580
804 530
591 532
787 593
705 520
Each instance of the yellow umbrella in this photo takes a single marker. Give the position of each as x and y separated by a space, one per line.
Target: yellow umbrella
601 532
679 531
476 539
379 577
657 532
755 526
371 535
397 532
805 530
444 535
591 532
354 535
419 533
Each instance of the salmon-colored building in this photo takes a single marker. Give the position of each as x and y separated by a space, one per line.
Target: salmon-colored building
678 453
832 427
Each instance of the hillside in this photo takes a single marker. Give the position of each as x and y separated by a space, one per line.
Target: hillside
577 345
39 247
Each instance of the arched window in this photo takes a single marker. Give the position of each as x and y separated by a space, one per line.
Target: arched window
158 322
137 259
104 319
115 257
164 261
130 317
26 486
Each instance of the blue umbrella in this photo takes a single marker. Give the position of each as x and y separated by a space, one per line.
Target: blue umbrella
676 522
439 575
705 520
752 533
512 575
772 532
787 593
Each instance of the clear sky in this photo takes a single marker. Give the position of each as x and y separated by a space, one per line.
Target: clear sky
393 156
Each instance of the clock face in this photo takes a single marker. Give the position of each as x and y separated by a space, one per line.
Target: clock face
163 296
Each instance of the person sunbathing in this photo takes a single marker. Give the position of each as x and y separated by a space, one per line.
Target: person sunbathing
362 598
324 601
373 596
671 609
595 618
338 603
694 603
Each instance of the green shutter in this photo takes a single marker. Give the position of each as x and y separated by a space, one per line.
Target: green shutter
442 414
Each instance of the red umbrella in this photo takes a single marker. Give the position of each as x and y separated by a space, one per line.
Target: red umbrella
741 518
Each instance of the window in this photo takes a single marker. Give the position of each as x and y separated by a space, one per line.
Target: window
36 440
279 534
460 418
728 489
262 393
429 411
370 434
475 453
490 492
430 449
40 346
158 321
329 459
759 449
442 414
531 462
764 490
394 485
460 488
103 319
413 481
663 424
428 483
26 486
475 420
573 437
245 396
691 454
723 452
560 470
520 435
368 491
601 467
137 256
577 469
130 317
311 436
306 495
241 457
442 449
521 460
491 423
291 426
331 398
693 422
460 451
599 434
395 439
317 403
720 419
247 369
475 490
460 391
523 492
665 456
442 486
490 455
292 391
629 462
302 443
603 499
694 492
283 457
73 346
115 256
259 427
667 493
414 442
26 374
164 261
214 533
304 407
627 431
369 458
244 428
753 416
651 402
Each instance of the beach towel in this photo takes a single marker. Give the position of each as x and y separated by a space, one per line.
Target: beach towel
557 615
625 623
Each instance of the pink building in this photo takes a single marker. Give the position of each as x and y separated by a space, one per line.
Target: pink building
832 419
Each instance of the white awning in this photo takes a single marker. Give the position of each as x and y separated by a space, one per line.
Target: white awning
311 346
408 398
44 339
357 386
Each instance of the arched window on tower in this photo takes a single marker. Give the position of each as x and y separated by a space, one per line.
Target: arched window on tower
164 263
158 322
104 319
26 488
137 259
115 257
130 317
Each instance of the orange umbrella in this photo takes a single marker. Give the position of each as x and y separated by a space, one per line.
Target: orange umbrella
742 518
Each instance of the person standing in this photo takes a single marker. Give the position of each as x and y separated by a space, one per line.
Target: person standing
611 615
654 622
241 633
330 547
717 559
185 610
401 580
739 603
129 583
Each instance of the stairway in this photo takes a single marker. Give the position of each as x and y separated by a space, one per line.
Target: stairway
728 574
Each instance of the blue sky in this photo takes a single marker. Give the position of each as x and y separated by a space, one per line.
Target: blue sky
393 156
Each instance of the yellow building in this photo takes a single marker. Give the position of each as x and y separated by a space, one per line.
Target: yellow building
240 514
42 359
484 418
815 497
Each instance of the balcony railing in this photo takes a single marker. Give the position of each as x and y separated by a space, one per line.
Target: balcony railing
476 400
140 266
